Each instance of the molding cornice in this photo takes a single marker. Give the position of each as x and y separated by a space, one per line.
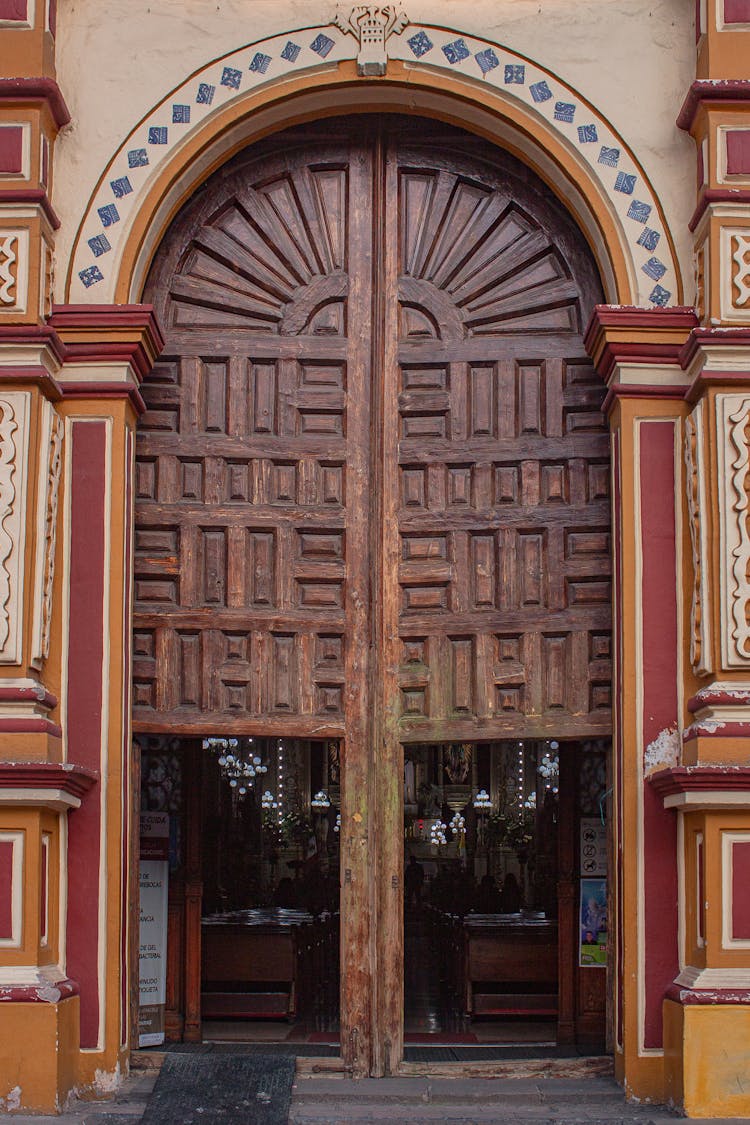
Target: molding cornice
625 334
709 197
31 196
23 338
37 90
109 334
72 779
703 787
706 91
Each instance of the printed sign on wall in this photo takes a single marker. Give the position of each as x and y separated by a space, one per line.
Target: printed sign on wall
593 847
593 923
154 877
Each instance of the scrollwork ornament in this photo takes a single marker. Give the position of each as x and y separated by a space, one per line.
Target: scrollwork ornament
699 642
8 258
53 488
8 451
738 424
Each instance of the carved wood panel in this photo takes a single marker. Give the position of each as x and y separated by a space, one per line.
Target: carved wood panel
503 511
251 453
261 513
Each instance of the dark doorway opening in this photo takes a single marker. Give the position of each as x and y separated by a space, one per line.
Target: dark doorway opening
253 929
505 915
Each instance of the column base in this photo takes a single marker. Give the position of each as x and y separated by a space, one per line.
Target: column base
706 1048
38 1054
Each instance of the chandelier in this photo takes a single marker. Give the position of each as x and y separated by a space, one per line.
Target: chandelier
549 767
239 764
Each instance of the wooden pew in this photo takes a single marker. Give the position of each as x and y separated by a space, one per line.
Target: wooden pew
509 966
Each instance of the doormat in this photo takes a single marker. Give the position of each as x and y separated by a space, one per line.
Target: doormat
214 1087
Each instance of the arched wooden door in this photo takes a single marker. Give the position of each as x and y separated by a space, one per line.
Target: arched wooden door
372 480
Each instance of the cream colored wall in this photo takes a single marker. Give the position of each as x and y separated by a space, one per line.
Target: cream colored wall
632 59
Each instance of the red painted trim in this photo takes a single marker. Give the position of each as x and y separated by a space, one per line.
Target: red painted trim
617 652
736 11
682 995
127 745
31 195
713 696
37 90
6 889
697 779
38 695
740 884
30 726
716 338
11 149
88 441
110 352
51 993
738 152
708 90
97 390
43 892
717 195
712 728
33 334
36 375
142 317
14 10
633 316
660 711
47 775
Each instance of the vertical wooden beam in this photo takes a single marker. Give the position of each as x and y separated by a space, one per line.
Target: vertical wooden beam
566 897
357 828
388 757
193 894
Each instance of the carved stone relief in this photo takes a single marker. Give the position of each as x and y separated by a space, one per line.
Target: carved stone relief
372 25
8 260
735 274
741 269
732 420
49 483
700 635
14 414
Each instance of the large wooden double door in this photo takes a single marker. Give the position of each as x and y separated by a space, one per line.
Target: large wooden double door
372 480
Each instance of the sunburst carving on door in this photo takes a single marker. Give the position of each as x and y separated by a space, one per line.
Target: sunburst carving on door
271 260
473 263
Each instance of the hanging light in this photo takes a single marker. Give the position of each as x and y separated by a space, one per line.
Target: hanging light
321 801
549 768
482 800
437 834
238 769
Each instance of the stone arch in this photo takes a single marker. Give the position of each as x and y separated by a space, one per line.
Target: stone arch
311 73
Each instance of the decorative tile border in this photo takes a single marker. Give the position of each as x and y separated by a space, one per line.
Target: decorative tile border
132 171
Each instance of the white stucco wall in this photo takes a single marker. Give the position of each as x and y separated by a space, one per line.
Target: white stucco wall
632 59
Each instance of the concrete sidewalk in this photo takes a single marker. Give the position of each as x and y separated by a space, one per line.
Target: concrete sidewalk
418 1101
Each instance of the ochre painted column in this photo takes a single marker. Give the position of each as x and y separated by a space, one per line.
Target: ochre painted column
707 1009
39 1002
107 353
638 353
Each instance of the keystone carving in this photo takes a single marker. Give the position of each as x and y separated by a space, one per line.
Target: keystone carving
371 26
